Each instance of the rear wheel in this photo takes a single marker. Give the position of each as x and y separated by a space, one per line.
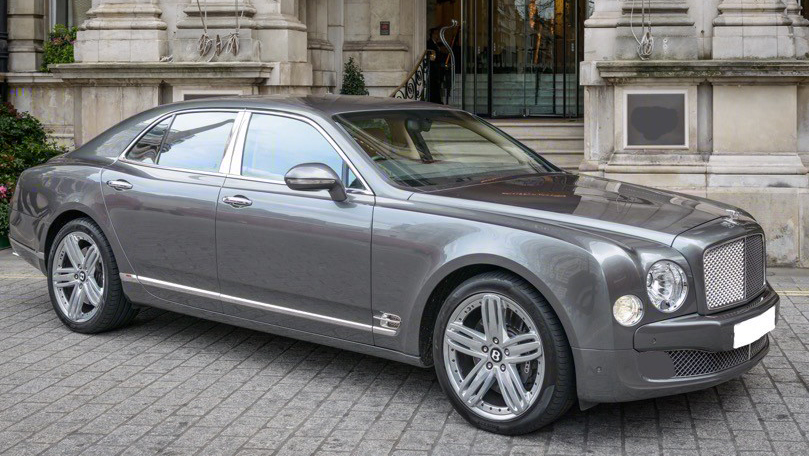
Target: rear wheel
83 280
501 355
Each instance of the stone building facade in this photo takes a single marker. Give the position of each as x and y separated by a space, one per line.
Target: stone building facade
714 101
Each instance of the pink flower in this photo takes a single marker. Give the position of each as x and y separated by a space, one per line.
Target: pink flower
3 191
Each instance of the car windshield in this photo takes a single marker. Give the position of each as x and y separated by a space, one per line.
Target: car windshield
435 149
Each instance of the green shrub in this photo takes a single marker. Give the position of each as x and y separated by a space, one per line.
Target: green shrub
353 80
59 46
23 144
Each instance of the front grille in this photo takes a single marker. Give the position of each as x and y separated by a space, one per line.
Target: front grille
688 363
734 271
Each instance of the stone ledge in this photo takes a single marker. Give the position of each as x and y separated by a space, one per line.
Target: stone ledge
749 71
32 78
375 45
140 73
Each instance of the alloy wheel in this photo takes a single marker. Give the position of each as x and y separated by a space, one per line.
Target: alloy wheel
78 277
494 357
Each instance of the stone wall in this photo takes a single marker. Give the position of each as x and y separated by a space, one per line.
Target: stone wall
47 98
134 54
746 95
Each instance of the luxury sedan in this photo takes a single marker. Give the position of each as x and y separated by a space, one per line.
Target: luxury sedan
405 230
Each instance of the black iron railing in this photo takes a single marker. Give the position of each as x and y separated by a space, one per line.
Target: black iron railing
416 85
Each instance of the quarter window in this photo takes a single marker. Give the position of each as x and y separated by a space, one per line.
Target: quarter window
275 144
146 150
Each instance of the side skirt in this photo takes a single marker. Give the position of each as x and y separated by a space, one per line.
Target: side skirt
153 301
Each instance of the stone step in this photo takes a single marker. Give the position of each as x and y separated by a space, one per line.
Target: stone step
560 141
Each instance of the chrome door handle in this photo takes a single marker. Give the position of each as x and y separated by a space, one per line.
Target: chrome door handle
237 201
119 184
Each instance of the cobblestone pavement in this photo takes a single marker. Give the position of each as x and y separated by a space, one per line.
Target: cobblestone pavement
172 384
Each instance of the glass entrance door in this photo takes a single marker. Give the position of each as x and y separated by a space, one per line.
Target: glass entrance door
515 58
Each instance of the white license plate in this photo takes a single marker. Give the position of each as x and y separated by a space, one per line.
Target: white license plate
751 330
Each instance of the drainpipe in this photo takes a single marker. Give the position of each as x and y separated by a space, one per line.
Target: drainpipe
4 48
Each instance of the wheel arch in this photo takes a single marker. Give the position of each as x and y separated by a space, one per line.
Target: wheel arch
67 213
453 274
61 220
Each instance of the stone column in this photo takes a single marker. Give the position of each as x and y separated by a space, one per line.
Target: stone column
320 49
222 18
122 31
800 29
26 30
755 29
281 32
282 37
337 37
384 59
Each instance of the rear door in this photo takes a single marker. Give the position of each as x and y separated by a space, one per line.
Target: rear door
292 258
161 198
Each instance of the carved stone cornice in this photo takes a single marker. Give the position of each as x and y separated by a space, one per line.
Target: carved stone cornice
748 71
218 14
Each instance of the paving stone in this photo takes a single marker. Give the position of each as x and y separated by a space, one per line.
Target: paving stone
172 384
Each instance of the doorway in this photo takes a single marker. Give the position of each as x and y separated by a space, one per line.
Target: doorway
513 58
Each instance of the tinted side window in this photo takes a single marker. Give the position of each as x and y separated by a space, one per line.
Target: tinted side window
145 151
197 141
274 144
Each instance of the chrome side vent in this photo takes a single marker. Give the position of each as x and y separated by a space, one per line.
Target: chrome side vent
389 321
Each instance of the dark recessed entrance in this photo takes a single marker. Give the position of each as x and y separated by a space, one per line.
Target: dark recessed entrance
514 58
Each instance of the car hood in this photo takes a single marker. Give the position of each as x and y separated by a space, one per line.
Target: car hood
594 201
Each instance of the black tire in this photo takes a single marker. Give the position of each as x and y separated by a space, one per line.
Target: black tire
558 391
115 309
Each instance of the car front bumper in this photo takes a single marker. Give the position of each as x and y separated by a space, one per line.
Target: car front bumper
673 356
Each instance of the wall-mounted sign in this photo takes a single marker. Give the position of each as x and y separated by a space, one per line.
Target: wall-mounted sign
384 28
655 119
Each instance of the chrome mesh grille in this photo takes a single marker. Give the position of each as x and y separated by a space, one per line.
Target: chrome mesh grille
734 271
689 363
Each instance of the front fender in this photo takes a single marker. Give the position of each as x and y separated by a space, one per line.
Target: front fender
414 251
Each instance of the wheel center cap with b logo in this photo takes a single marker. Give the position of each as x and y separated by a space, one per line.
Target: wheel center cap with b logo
496 355
82 276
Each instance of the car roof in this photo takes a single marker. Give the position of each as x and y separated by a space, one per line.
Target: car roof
326 105
109 144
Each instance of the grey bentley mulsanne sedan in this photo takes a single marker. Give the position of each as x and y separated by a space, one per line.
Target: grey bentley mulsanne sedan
404 230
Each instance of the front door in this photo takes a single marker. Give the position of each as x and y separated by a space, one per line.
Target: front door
291 258
515 57
161 198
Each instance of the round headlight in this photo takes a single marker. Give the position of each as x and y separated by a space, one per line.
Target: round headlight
628 310
667 286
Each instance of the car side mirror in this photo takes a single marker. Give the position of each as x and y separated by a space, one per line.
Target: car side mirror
316 176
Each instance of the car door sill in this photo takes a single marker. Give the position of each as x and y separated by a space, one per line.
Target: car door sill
126 277
283 331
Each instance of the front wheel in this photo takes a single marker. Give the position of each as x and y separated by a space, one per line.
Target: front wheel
501 355
83 280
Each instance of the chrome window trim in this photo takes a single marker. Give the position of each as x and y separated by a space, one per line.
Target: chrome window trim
236 161
122 156
132 278
224 167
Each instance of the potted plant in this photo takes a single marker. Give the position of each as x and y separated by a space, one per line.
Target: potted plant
353 79
23 144
58 47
